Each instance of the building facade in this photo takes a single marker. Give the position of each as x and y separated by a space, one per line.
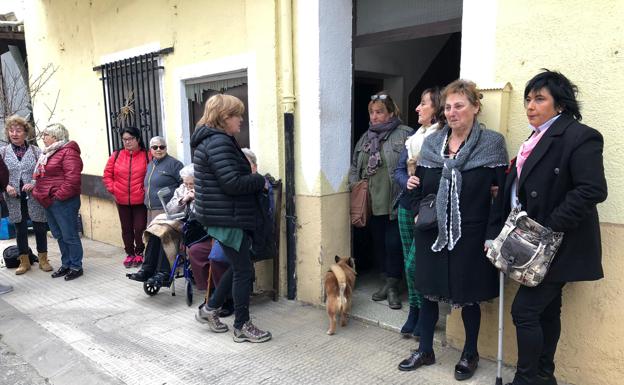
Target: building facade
312 58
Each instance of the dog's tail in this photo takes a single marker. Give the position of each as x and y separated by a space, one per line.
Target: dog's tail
342 282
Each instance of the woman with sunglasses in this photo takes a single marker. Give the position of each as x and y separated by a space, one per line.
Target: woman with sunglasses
163 171
375 157
123 177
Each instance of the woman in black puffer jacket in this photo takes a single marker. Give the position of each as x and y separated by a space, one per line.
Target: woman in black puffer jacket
225 204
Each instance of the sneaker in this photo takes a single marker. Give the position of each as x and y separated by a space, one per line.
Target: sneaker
250 333
209 316
137 260
5 289
128 261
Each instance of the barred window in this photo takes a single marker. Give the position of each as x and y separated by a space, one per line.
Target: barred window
131 90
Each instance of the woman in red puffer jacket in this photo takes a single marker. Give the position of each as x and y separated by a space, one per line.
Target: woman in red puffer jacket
123 178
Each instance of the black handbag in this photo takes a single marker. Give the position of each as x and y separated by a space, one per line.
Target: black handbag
11 257
427 216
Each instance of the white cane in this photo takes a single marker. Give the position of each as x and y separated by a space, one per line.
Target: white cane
501 309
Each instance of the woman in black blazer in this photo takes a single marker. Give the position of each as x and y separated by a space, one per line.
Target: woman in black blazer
558 179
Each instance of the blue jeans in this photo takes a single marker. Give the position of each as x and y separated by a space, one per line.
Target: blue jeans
63 221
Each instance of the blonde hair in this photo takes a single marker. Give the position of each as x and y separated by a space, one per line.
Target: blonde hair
220 107
18 120
58 131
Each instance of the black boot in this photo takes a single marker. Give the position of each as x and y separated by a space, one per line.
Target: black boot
382 293
394 301
409 328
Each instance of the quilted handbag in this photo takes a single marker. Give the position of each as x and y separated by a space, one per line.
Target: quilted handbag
524 249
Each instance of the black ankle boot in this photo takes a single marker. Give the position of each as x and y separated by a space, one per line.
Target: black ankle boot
394 301
409 328
382 293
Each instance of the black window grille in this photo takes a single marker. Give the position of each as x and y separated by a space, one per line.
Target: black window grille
131 91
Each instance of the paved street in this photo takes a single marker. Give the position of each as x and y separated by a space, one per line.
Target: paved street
102 329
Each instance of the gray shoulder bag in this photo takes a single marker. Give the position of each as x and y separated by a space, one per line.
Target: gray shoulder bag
524 249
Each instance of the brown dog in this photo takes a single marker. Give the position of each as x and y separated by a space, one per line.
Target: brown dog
339 283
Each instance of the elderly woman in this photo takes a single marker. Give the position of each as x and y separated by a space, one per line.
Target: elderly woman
375 157
20 158
57 188
429 114
558 179
458 166
162 171
225 203
158 257
123 177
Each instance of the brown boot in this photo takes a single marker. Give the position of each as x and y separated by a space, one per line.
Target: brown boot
43 262
24 265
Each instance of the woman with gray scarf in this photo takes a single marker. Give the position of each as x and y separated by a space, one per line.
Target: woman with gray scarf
461 164
375 157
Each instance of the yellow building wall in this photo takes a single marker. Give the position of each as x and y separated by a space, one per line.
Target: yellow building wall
584 43
75 36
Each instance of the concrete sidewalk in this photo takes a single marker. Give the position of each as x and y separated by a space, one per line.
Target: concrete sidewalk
102 329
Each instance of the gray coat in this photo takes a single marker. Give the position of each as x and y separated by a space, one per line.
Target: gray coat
22 170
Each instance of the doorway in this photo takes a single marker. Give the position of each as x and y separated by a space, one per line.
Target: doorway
403 50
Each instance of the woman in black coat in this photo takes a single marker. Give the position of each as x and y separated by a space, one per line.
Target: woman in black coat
226 205
459 164
558 179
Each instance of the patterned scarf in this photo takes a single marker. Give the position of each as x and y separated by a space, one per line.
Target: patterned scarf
45 155
372 145
483 148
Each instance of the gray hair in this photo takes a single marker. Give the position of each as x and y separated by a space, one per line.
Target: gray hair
251 156
157 139
58 131
188 170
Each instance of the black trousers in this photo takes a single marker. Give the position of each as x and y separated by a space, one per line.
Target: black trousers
536 312
21 230
387 245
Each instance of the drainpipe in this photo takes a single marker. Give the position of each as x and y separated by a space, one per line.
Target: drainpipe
288 107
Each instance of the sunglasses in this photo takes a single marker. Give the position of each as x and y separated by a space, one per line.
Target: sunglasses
161 147
380 97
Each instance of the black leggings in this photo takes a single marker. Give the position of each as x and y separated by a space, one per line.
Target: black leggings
21 231
240 284
428 317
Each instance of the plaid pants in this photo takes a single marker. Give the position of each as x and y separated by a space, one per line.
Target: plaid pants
406 228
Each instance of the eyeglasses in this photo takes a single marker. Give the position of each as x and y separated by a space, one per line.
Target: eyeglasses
380 97
161 147
130 139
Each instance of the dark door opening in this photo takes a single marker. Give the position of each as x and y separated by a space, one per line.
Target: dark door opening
403 56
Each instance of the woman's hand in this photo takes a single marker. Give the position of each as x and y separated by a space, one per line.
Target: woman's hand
189 196
28 187
11 191
413 182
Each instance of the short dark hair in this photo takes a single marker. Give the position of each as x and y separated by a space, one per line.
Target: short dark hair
135 133
563 91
